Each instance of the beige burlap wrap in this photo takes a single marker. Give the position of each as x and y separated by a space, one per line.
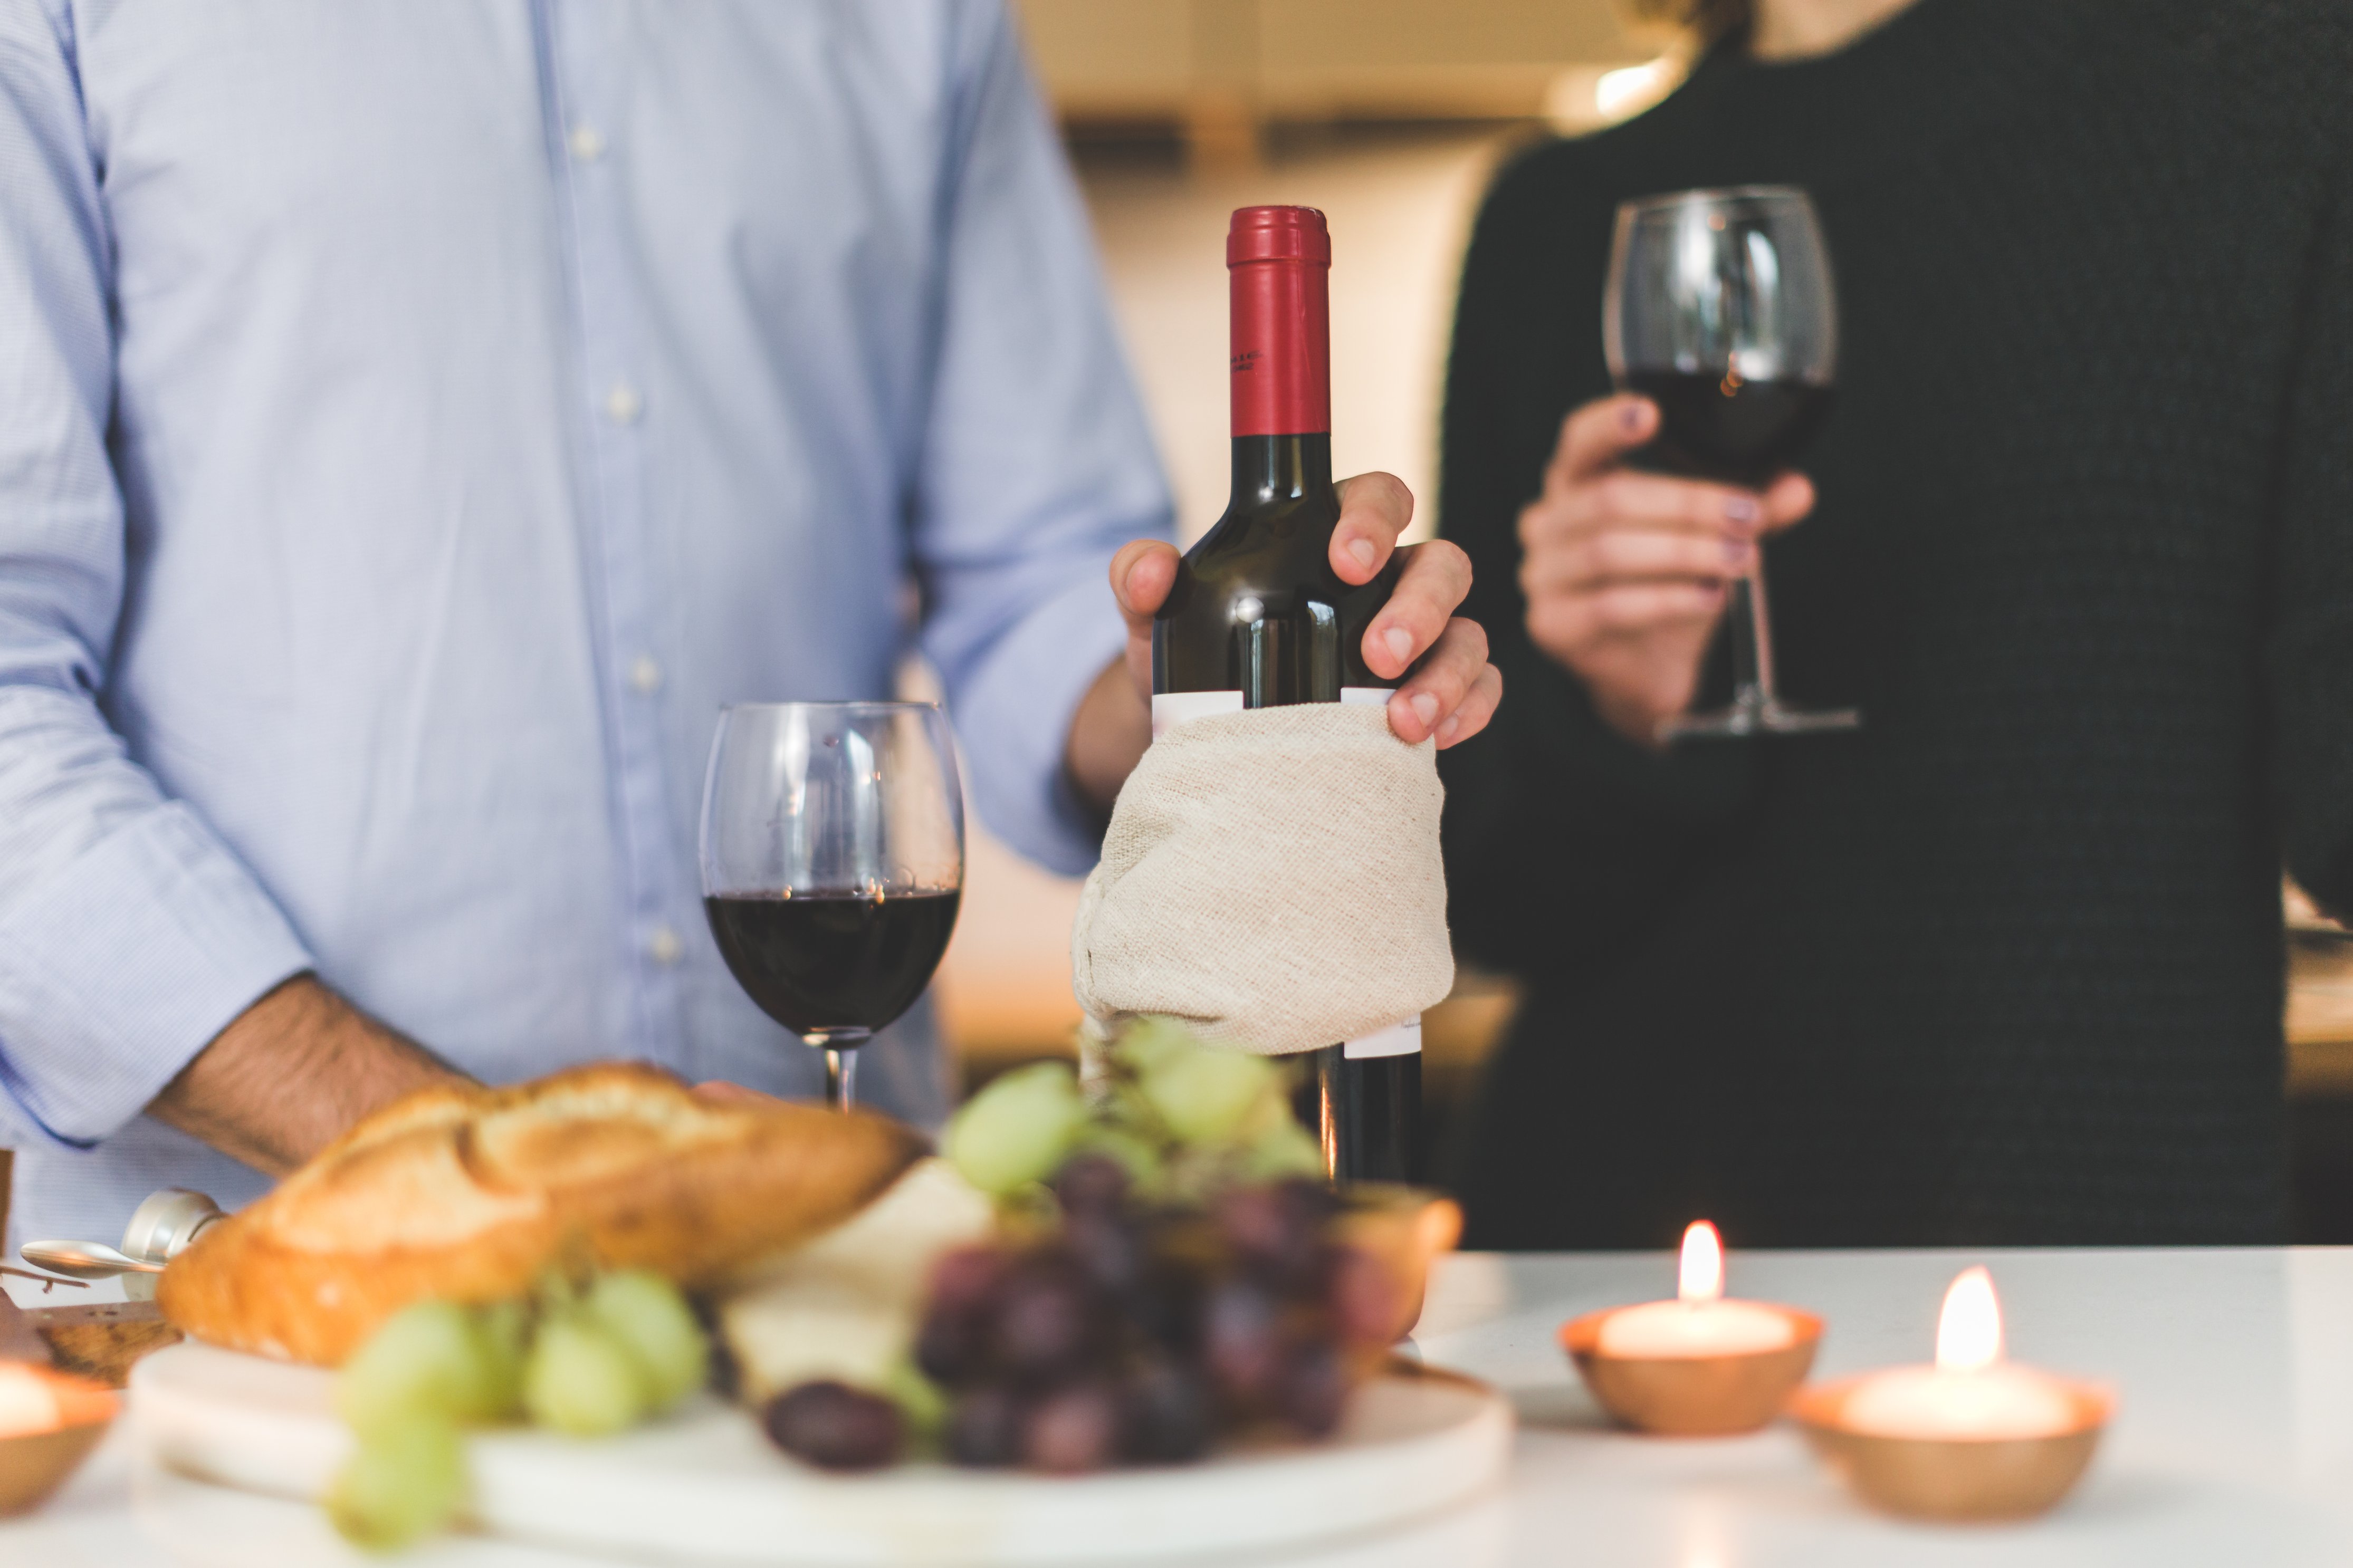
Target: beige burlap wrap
1272 879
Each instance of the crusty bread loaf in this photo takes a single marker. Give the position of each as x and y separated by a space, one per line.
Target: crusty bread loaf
471 1195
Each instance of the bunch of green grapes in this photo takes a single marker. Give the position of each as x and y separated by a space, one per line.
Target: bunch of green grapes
1184 1120
583 1361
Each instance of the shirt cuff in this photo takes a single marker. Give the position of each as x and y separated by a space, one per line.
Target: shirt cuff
114 976
1014 713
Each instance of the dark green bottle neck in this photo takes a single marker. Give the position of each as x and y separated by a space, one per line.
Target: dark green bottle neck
1270 468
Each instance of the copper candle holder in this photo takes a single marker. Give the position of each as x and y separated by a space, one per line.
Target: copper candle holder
1693 1396
1956 1480
33 1465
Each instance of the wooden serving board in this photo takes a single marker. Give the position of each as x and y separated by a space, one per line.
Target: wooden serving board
704 1486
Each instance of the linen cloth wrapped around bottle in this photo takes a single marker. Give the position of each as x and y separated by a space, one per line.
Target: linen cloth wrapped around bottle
1272 879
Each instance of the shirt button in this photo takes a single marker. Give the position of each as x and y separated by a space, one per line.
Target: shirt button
588 143
664 947
645 675
622 404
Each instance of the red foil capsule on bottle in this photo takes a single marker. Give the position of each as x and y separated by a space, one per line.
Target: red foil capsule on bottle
1279 261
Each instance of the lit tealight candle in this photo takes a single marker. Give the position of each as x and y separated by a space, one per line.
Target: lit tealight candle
1971 1393
1698 1365
1699 1321
28 1404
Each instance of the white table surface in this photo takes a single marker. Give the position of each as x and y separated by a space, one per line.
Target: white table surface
2234 1445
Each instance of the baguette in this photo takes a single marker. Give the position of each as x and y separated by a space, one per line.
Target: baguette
465 1194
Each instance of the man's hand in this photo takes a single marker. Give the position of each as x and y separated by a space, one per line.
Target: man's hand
1626 573
1450 697
290 1074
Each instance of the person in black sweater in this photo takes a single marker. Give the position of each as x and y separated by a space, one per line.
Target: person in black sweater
2005 966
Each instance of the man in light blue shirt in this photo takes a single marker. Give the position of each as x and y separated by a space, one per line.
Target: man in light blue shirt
418 418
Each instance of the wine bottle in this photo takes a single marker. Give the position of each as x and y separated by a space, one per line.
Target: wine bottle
1258 618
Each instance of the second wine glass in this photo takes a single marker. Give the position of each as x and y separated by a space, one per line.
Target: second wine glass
832 864
1721 309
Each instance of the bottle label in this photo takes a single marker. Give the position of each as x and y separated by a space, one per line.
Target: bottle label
1170 709
1396 1040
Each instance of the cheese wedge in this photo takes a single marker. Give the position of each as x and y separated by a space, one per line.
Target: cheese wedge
847 1305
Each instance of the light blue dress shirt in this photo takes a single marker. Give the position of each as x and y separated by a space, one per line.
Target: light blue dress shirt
418 418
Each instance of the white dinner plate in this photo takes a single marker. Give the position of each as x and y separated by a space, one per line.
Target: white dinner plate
704 1485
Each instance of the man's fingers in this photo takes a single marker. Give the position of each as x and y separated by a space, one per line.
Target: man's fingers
1140 576
1486 693
1374 511
1595 437
1444 681
1436 578
1632 554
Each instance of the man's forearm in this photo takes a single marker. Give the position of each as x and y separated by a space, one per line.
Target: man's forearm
1108 735
290 1074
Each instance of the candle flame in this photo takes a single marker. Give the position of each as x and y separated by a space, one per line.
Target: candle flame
1969 1330
1703 1264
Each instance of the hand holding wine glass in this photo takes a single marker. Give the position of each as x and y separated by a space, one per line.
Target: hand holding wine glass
1720 310
1626 573
833 864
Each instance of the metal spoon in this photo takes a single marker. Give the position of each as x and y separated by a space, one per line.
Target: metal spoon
85 1259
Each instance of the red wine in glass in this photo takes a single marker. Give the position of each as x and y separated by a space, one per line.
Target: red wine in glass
824 961
1722 427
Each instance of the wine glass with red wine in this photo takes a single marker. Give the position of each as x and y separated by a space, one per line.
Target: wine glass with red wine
832 864
1721 310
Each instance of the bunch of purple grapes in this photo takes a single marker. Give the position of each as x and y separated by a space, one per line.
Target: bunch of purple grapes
1135 1333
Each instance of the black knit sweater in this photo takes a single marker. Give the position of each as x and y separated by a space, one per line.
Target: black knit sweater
2006 965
